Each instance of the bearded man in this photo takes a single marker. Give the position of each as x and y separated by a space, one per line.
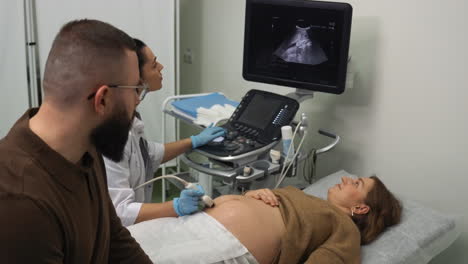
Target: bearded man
54 203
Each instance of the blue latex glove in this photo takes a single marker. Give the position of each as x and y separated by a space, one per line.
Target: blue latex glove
207 135
187 203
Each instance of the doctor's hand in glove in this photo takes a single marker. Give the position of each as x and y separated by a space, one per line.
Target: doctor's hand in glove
207 135
188 201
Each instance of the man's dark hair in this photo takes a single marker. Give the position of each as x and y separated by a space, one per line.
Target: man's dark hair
85 54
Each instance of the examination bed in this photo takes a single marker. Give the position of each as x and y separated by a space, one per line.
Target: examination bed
422 234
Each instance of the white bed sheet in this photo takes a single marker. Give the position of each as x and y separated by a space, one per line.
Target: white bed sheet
190 239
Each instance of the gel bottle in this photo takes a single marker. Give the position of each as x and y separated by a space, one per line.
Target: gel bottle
286 137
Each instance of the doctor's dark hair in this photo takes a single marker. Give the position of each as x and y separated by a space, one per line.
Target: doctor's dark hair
139 50
85 54
385 211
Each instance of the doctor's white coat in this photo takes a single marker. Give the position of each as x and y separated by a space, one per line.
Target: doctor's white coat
141 159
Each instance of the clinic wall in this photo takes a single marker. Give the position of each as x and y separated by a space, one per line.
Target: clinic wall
151 21
14 87
405 117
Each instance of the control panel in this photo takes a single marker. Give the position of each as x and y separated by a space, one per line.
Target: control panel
255 123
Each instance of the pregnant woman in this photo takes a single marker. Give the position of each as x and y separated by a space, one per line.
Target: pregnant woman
276 226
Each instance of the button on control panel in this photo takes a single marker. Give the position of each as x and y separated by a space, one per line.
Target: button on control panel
236 141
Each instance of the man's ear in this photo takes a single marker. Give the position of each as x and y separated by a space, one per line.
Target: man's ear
361 209
101 100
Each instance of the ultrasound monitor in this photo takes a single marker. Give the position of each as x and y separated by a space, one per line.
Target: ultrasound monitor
297 43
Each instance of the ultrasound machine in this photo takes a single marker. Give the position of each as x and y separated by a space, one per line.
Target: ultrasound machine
292 43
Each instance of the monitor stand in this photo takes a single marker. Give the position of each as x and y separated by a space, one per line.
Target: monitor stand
300 95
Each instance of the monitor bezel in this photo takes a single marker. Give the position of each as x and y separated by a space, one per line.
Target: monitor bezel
344 8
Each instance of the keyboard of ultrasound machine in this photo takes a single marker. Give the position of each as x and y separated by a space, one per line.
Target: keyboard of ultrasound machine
239 139
255 123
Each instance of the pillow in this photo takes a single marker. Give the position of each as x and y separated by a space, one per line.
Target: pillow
421 235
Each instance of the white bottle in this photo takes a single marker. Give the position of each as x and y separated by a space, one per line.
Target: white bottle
286 136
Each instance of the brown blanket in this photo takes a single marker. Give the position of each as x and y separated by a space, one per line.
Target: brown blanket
316 231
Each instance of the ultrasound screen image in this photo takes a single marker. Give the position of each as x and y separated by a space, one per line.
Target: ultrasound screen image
299 47
295 43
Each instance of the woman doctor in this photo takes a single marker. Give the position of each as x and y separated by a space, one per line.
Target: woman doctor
142 158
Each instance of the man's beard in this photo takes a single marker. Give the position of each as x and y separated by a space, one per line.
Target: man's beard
110 137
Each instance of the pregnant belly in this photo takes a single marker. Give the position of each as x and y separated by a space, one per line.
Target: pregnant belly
258 226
